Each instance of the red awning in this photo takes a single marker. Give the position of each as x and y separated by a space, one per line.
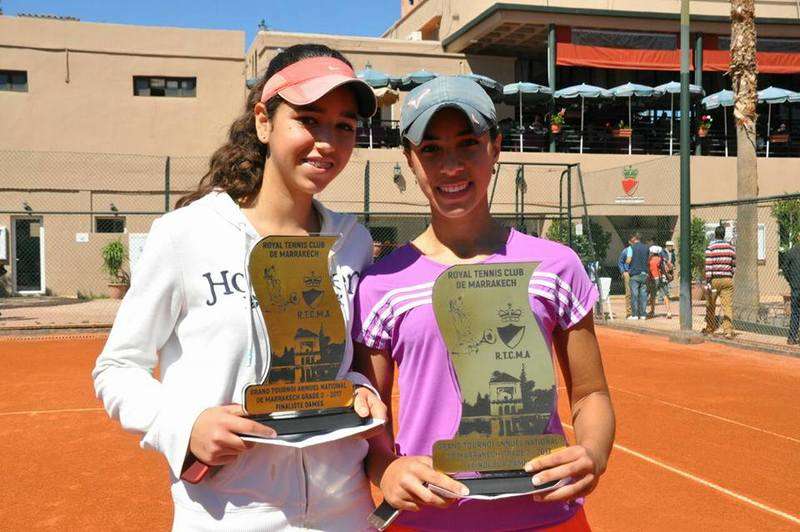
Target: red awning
568 54
768 62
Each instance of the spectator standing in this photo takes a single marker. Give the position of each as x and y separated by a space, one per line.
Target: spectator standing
669 252
720 266
637 264
791 270
658 267
623 264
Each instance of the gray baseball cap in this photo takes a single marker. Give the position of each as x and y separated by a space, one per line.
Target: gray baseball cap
446 91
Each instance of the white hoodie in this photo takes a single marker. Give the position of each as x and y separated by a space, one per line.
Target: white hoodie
189 311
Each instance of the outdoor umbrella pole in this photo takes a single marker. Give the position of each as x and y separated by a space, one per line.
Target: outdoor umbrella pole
671 113
725 123
581 150
520 120
769 119
630 125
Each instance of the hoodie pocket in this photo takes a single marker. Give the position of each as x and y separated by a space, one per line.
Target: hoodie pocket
262 476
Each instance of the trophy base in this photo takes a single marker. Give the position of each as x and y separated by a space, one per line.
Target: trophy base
491 484
303 425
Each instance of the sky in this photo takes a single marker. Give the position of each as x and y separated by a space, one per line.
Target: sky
349 17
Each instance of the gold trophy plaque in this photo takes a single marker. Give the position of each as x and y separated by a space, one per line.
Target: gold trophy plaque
505 374
300 394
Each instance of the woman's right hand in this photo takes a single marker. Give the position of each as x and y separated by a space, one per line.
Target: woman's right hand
215 436
404 484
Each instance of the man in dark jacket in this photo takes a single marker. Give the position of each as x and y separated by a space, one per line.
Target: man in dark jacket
791 270
637 262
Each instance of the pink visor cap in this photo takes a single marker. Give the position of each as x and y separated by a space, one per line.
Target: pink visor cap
308 80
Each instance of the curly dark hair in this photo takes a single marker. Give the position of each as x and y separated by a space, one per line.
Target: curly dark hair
237 167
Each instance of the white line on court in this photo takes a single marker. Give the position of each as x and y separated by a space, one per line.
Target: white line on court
700 412
716 487
61 411
719 418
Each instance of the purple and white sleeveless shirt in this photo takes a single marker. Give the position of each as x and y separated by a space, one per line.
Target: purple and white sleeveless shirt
393 311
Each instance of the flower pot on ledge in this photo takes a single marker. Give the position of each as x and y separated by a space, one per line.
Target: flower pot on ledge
702 131
622 133
555 128
117 291
779 138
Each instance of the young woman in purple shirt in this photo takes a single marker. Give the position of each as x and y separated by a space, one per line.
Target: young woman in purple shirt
452 144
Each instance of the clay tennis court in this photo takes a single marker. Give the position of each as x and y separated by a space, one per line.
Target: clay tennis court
708 438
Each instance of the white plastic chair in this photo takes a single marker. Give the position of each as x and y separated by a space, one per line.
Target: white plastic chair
605 293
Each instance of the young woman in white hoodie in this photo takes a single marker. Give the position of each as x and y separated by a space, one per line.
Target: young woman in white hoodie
190 311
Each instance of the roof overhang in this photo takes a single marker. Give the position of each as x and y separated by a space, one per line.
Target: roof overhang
511 29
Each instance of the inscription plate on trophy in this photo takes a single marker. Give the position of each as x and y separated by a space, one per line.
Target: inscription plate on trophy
505 375
300 393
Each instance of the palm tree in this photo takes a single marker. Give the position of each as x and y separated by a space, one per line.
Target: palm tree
744 72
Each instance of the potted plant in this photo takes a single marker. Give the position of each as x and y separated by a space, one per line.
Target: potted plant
557 121
622 130
114 257
697 257
704 125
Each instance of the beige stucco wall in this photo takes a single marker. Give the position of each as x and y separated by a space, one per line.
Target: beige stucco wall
80 87
77 184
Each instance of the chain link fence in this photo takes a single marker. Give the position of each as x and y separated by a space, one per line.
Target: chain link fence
62 216
762 231
72 225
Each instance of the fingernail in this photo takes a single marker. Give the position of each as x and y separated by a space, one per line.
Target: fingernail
537 480
528 468
464 491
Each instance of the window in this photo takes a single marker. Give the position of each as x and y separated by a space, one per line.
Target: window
114 224
13 80
766 44
624 39
163 86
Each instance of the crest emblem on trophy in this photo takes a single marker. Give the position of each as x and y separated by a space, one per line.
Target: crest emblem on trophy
312 295
511 334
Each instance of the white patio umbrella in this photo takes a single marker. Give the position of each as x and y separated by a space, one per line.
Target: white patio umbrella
672 88
723 98
415 79
529 93
629 90
774 95
582 91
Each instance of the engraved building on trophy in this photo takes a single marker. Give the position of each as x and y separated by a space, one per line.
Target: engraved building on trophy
505 402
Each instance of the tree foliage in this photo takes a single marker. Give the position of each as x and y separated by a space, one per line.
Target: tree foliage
559 231
697 247
114 257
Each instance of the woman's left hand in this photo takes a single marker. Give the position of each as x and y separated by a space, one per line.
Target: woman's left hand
576 462
367 404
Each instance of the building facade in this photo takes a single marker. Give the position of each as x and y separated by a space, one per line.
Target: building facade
110 123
